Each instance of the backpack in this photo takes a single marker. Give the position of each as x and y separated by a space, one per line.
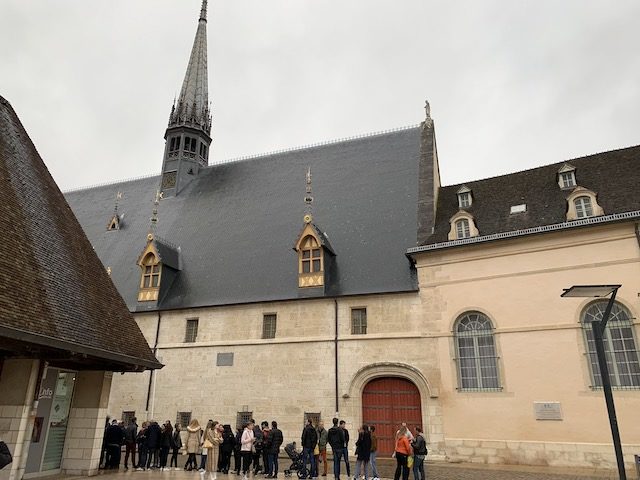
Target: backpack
5 455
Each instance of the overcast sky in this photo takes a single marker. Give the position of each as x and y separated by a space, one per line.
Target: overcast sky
512 84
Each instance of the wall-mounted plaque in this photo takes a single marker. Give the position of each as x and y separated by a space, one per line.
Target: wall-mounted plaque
547 410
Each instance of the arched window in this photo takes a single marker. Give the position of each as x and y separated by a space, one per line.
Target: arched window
583 207
150 272
619 345
475 347
462 228
310 255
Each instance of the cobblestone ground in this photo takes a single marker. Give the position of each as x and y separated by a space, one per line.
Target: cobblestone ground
434 471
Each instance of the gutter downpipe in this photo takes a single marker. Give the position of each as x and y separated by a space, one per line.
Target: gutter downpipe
152 373
335 341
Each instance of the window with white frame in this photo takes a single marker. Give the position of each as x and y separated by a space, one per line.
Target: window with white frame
462 228
620 346
464 199
583 206
568 179
476 360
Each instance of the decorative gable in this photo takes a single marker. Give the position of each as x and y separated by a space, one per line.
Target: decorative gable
465 199
114 223
567 176
151 271
313 249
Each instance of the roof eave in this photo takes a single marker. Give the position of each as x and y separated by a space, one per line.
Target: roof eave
604 219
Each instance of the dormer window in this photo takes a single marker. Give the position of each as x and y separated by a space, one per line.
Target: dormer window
567 176
114 224
582 203
464 197
310 256
151 272
462 226
583 207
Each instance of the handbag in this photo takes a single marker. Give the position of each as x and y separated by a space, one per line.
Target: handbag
207 444
410 461
316 450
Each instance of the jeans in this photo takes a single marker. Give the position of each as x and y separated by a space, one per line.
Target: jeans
203 462
418 467
401 466
237 464
142 455
256 461
273 464
164 455
153 460
174 458
307 456
346 461
337 457
365 466
130 450
191 462
374 467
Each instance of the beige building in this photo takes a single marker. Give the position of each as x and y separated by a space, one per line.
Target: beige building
343 279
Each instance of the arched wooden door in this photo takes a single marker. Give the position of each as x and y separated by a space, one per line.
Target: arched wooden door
387 403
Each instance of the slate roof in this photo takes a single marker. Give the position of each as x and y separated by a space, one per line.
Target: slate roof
236 222
614 176
55 295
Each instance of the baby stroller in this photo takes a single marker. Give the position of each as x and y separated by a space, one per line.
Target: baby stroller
296 462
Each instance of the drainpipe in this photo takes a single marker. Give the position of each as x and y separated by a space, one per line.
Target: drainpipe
335 348
153 372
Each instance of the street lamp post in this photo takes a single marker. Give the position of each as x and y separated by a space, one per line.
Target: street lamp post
603 291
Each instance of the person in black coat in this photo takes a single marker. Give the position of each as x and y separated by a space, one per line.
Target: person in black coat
154 434
275 443
166 442
237 456
335 438
363 451
114 438
226 449
309 442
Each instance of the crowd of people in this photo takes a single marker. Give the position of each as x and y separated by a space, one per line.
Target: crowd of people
256 448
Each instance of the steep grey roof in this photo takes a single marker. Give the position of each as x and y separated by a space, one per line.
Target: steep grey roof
236 222
56 299
614 176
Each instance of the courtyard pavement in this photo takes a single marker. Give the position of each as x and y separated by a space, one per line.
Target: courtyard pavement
434 471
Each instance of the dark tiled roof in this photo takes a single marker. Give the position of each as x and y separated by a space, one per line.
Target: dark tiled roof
614 176
54 290
236 223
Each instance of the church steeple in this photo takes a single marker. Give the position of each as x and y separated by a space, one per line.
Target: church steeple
188 132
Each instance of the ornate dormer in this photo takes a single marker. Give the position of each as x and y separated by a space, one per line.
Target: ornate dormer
462 225
187 138
159 264
465 198
316 258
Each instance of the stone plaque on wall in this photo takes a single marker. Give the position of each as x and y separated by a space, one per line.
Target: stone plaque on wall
547 410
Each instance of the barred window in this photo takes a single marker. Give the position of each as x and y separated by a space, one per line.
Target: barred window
583 207
621 350
462 228
191 332
183 418
128 416
269 325
315 418
243 418
475 347
358 321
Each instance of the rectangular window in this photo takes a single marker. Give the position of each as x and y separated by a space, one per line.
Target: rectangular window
127 416
183 419
315 418
191 332
243 418
464 199
358 321
567 179
224 360
269 325
174 145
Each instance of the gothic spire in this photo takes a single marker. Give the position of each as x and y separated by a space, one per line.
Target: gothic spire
192 107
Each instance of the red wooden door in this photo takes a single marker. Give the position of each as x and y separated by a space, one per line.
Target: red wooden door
386 403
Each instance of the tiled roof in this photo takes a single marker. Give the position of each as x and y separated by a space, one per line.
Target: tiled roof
236 222
614 176
55 292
